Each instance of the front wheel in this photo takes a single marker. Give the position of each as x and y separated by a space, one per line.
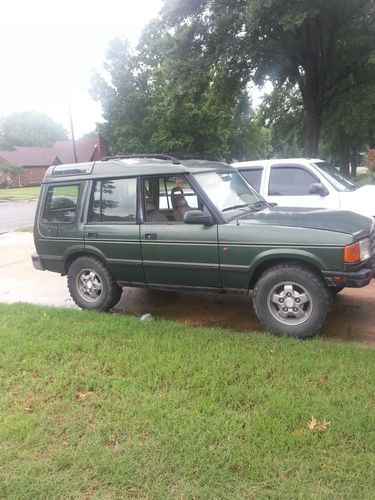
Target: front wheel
292 300
91 285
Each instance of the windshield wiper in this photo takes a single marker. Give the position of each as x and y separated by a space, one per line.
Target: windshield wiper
243 205
260 204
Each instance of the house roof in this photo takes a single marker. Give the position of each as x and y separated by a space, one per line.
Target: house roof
89 149
86 149
30 156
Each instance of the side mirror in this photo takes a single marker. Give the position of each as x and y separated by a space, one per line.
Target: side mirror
198 217
318 188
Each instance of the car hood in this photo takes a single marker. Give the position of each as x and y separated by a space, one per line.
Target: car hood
362 200
340 221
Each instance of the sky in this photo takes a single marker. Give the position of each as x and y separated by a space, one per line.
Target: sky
49 48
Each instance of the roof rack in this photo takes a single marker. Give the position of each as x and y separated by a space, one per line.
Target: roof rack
173 159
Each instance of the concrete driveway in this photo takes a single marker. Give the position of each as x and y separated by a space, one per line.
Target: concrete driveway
353 317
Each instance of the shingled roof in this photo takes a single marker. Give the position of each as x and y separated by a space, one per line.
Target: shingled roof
89 149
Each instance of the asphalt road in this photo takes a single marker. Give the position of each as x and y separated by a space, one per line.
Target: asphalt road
14 215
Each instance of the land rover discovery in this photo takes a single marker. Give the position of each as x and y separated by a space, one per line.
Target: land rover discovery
184 222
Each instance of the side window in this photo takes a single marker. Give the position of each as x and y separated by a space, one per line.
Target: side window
168 198
253 177
61 204
290 181
114 200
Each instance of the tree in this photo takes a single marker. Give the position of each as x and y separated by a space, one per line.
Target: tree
29 128
282 113
10 171
315 44
149 107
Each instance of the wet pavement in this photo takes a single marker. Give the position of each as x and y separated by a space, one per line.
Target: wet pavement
352 319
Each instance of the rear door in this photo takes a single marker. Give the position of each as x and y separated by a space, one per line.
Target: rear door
175 253
59 222
112 229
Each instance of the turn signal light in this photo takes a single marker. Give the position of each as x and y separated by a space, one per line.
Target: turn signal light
352 253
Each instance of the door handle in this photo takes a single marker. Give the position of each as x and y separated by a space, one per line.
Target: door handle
92 235
150 236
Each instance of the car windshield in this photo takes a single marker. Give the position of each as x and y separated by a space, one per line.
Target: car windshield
338 180
230 193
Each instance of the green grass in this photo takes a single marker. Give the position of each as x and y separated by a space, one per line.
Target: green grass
25 193
106 406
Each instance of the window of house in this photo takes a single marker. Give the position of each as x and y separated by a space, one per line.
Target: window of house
290 181
61 204
114 200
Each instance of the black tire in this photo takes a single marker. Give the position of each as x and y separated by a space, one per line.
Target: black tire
308 295
91 284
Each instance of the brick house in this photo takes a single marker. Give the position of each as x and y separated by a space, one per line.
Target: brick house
35 161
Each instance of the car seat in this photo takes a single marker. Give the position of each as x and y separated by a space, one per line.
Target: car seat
179 203
152 213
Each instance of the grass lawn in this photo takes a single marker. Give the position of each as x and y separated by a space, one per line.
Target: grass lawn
25 193
106 406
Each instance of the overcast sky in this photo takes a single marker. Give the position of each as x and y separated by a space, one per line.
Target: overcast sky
48 49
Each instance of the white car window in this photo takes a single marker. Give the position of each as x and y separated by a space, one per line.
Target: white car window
290 181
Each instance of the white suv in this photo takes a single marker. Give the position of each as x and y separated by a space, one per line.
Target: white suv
302 182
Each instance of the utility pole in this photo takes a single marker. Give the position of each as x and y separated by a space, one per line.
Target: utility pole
72 134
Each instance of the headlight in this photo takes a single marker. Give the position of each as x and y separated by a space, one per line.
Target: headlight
357 252
365 249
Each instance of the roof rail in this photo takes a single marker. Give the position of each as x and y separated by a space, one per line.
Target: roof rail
157 156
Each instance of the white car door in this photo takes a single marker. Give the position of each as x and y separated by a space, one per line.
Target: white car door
293 185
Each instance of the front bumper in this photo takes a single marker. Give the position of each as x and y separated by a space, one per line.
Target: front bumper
37 262
353 279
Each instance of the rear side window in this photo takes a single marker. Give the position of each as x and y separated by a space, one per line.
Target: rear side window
114 200
253 177
290 181
61 204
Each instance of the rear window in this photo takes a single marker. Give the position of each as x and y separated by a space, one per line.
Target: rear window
61 204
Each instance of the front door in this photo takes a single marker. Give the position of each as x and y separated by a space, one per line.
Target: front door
290 186
175 253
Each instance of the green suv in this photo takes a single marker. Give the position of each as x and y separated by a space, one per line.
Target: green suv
184 222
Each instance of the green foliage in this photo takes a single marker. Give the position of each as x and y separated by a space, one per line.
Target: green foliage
10 172
314 44
29 128
185 87
281 112
156 102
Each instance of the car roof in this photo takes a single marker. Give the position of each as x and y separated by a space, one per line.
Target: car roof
280 161
131 167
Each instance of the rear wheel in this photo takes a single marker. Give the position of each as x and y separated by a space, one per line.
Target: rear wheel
292 300
91 284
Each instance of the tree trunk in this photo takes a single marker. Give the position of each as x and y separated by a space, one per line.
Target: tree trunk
354 161
344 145
314 113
